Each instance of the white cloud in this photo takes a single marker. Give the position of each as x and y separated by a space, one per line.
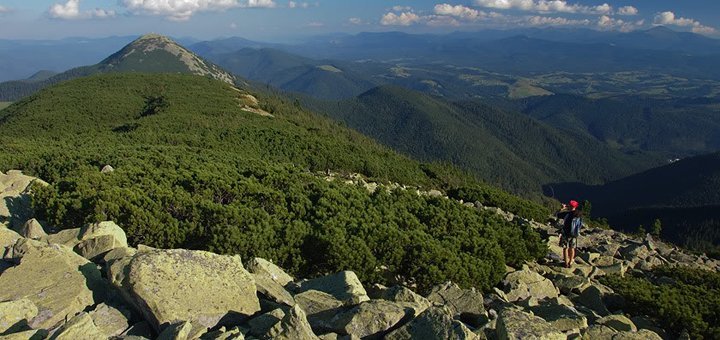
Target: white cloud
258 3
315 24
555 21
669 18
295 4
233 25
356 21
607 23
627 10
545 6
458 11
402 19
4 10
71 10
180 10
402 8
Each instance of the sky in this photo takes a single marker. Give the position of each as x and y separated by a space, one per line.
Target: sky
285 20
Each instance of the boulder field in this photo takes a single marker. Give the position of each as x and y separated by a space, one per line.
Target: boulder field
88 283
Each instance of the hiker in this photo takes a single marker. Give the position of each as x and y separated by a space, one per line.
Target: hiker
571 219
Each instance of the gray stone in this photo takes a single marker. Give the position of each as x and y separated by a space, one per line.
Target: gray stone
99 238
433 323
319 306
177 331
213 287
592 297
32 229
293 326
33 334
643 334
259 266
370 319
406 297
466 304
272 290
79 327
561 317
516 324
617 322
110 320
16 315
344 286
598 332
118 253
107 169
525 283
261 324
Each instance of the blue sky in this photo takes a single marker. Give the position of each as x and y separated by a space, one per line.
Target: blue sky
284 20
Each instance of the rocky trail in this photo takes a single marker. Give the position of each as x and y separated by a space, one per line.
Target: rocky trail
88 283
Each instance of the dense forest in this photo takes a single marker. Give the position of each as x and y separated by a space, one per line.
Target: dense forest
194 169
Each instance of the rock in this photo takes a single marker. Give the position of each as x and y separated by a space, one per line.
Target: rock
110 320
32 229
562 318
592 297
407 298
141 329
55 279
293 326
433 323
15 207
434 193
319 306
643 334
213 287
177 331
15 315
266 268
604 261
370 319
573 283
344 286
516 324
619 269
107 169
522 284
8 237
617 322
644 322
223 334
589 257
79 327
598 332
34 334
98 238
67 237
118 253
635 251
467 304
261 324
272 290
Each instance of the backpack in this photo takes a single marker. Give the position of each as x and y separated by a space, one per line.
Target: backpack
575 226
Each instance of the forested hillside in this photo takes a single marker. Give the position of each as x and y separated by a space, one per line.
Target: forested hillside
504 147
196 167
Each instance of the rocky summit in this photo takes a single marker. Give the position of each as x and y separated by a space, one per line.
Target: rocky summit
88 283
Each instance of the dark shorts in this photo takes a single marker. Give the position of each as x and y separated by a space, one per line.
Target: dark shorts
568 242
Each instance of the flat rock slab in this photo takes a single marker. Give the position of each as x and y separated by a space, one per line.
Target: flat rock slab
466 304
15 208
516 324
79 327
433 323
171 286
262 267
370 319
293 326
55 279
525 283
344 286
15 315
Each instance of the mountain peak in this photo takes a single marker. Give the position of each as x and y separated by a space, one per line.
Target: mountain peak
158 53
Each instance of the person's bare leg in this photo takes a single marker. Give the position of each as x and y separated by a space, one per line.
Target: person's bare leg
566 256
571 256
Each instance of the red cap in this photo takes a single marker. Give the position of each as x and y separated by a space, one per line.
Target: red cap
574 203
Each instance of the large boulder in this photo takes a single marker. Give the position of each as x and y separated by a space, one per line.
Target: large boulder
32 229
466 304
8 237
169 286
293 326
319 306
598 332
406 297
643 334
99 238
561 317
262 267
66 237
344 286
15 315
33 334
112 321
79 327
370 319
525 283
617 322
516 324
592 297
59 282
177 331
272 290
434 323
15 208
261 324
